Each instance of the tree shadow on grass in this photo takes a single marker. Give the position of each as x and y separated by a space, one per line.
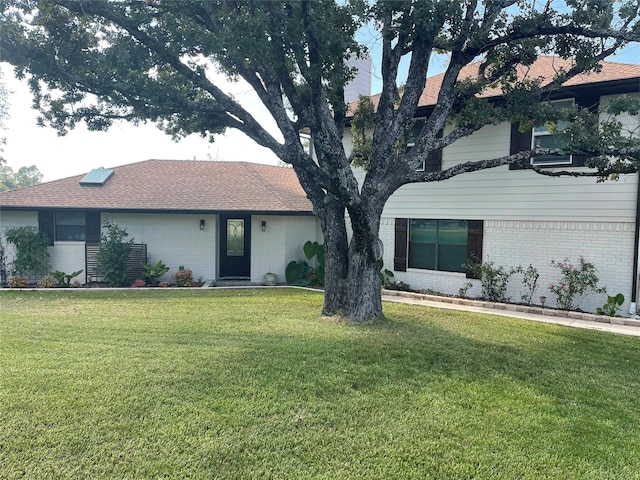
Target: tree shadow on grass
551 392
233 384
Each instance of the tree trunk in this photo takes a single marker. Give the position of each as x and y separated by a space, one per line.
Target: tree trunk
364 302
352 279
363 289
332 220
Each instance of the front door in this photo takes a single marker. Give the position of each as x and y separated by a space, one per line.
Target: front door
235 243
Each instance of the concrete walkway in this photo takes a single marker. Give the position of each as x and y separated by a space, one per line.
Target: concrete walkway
596 323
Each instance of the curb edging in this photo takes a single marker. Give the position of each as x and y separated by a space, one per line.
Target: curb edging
537 310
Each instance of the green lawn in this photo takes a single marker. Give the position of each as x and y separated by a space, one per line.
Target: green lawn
254 384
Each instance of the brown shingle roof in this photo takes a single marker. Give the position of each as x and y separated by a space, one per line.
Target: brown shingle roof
544 66
175 185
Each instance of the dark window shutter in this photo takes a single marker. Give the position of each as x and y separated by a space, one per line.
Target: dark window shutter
578 160
46 224
475 230
520 142
93 227
434 159
400 247
591 101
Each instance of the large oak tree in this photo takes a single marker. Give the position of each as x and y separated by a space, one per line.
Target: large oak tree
151 60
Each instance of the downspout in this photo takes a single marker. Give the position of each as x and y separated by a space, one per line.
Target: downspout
636 241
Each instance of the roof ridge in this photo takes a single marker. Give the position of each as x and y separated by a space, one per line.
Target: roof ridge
267 184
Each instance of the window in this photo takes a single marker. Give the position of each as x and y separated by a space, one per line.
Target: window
541 137
438 245
71 225
433 162
444 245
235 237
524 141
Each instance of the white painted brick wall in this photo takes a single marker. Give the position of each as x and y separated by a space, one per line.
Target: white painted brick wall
280 244
608 246
9 220
267 248
176 239
68 257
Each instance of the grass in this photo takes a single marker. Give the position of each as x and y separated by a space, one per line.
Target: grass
254 384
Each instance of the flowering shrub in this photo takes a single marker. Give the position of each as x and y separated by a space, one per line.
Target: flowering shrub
575 282
183 277
18 281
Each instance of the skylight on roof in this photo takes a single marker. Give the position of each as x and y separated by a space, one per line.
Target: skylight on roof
96 177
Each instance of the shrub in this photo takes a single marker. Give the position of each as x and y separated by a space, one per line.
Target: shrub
153 272
302 273
31 254
612 307
530 278
183 277
47 281
575 283
400 286
3 265
18 281
63 278
138 283
494 280
297 273
113 255
386 275
462 291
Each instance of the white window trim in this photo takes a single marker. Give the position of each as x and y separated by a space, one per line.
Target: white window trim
410 145
536 135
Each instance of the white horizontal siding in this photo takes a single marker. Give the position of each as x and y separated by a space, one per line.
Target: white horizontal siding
489 142
503 194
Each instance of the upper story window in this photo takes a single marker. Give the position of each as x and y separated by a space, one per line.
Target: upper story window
433 163
542 137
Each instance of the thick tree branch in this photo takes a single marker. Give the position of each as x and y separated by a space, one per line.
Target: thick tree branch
523 158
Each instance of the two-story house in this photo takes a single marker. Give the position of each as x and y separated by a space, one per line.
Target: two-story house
513 216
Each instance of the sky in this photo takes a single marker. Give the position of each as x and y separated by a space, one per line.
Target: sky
80 150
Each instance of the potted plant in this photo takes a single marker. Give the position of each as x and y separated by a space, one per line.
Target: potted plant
270 279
